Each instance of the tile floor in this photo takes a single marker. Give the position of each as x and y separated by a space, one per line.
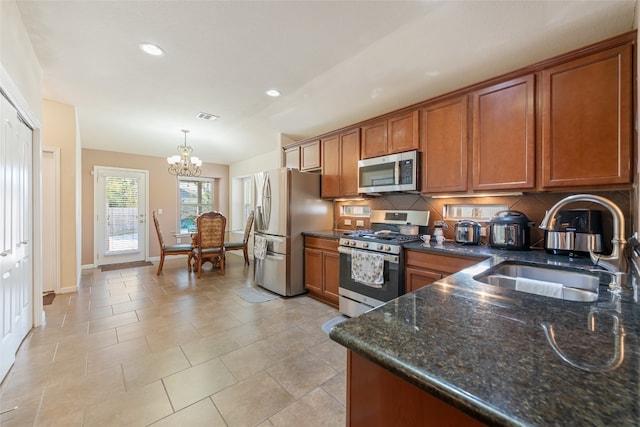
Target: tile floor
134 349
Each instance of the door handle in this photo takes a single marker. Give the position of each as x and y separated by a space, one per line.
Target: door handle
5 253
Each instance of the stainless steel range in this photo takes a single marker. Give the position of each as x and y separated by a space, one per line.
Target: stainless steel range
372 261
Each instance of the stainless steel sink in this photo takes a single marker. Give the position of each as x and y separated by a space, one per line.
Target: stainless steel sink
571 285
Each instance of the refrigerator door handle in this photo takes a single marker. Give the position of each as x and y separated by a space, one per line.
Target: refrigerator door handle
266 202
274 239
275 257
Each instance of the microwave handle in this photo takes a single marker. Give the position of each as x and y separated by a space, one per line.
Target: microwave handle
396 172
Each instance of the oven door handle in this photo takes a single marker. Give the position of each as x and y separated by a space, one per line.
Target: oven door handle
393 259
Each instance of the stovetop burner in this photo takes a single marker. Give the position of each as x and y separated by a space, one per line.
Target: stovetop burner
385 235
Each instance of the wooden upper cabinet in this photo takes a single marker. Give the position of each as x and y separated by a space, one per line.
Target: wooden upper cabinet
374 139
587 120
444 144
504 135
391 135
403 132
310 155
349 156
331 167
291 157
340 155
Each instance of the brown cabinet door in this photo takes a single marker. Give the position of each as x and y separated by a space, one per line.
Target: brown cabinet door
374 140
416 278
331 275
403 132
313 270
349 156
376 397
310 155
292 158
445 146
504 135
587 120
331 167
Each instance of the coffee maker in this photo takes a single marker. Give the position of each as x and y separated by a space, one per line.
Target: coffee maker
575 231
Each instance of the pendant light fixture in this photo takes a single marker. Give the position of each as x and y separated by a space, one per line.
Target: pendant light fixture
183 164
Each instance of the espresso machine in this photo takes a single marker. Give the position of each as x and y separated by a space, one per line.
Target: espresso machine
575 231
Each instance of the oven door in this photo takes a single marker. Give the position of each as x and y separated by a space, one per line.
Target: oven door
391 287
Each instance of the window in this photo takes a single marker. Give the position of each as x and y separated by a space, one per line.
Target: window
195 195
247 199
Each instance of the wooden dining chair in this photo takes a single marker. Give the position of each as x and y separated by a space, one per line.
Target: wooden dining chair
177 249
243 246
211 227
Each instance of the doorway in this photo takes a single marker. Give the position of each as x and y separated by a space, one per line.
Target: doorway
121 215
51 221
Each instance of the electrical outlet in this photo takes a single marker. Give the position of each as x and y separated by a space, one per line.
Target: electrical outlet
347 222
160 211
359 223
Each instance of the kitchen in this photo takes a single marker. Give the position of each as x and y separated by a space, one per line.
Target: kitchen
513 201
367 336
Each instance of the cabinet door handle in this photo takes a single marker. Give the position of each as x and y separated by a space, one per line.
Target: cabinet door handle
5 253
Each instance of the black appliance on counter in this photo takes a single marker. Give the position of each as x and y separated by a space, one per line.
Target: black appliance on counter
574 232
467 232
510 230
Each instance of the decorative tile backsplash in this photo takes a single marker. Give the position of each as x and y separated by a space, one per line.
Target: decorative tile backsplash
534 205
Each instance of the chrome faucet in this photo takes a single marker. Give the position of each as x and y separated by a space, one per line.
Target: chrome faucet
617 261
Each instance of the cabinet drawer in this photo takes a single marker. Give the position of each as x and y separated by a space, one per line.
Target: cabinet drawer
445 263
320 243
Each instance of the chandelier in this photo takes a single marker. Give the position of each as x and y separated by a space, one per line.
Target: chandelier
183 164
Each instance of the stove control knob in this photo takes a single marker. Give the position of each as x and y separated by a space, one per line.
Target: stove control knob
379 246
387 248
353 243
365 245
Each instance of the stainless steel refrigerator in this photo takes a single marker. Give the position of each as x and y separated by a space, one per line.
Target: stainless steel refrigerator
287 202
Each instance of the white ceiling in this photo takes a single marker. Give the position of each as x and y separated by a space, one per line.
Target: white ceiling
335 62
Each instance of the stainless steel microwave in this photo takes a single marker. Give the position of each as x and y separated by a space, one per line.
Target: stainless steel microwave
395 172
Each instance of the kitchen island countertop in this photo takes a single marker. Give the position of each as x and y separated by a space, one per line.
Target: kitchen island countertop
482 349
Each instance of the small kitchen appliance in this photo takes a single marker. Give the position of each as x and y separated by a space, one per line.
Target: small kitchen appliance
394 172
510 230
575 231
467 232
378 253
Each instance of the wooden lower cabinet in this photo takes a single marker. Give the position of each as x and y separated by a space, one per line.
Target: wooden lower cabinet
322 269
422 269
377 397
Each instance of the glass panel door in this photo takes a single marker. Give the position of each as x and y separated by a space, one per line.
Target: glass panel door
121 215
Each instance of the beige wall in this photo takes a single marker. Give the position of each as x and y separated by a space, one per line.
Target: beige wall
59 130
163 193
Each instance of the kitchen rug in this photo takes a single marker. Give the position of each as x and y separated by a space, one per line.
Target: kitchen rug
329 324
111 267
256 295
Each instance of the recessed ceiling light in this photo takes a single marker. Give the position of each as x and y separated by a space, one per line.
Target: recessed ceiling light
151 49
273 92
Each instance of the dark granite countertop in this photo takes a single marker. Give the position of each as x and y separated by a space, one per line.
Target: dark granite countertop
482 348
326 234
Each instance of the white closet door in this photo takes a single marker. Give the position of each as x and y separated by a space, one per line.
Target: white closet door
16 282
